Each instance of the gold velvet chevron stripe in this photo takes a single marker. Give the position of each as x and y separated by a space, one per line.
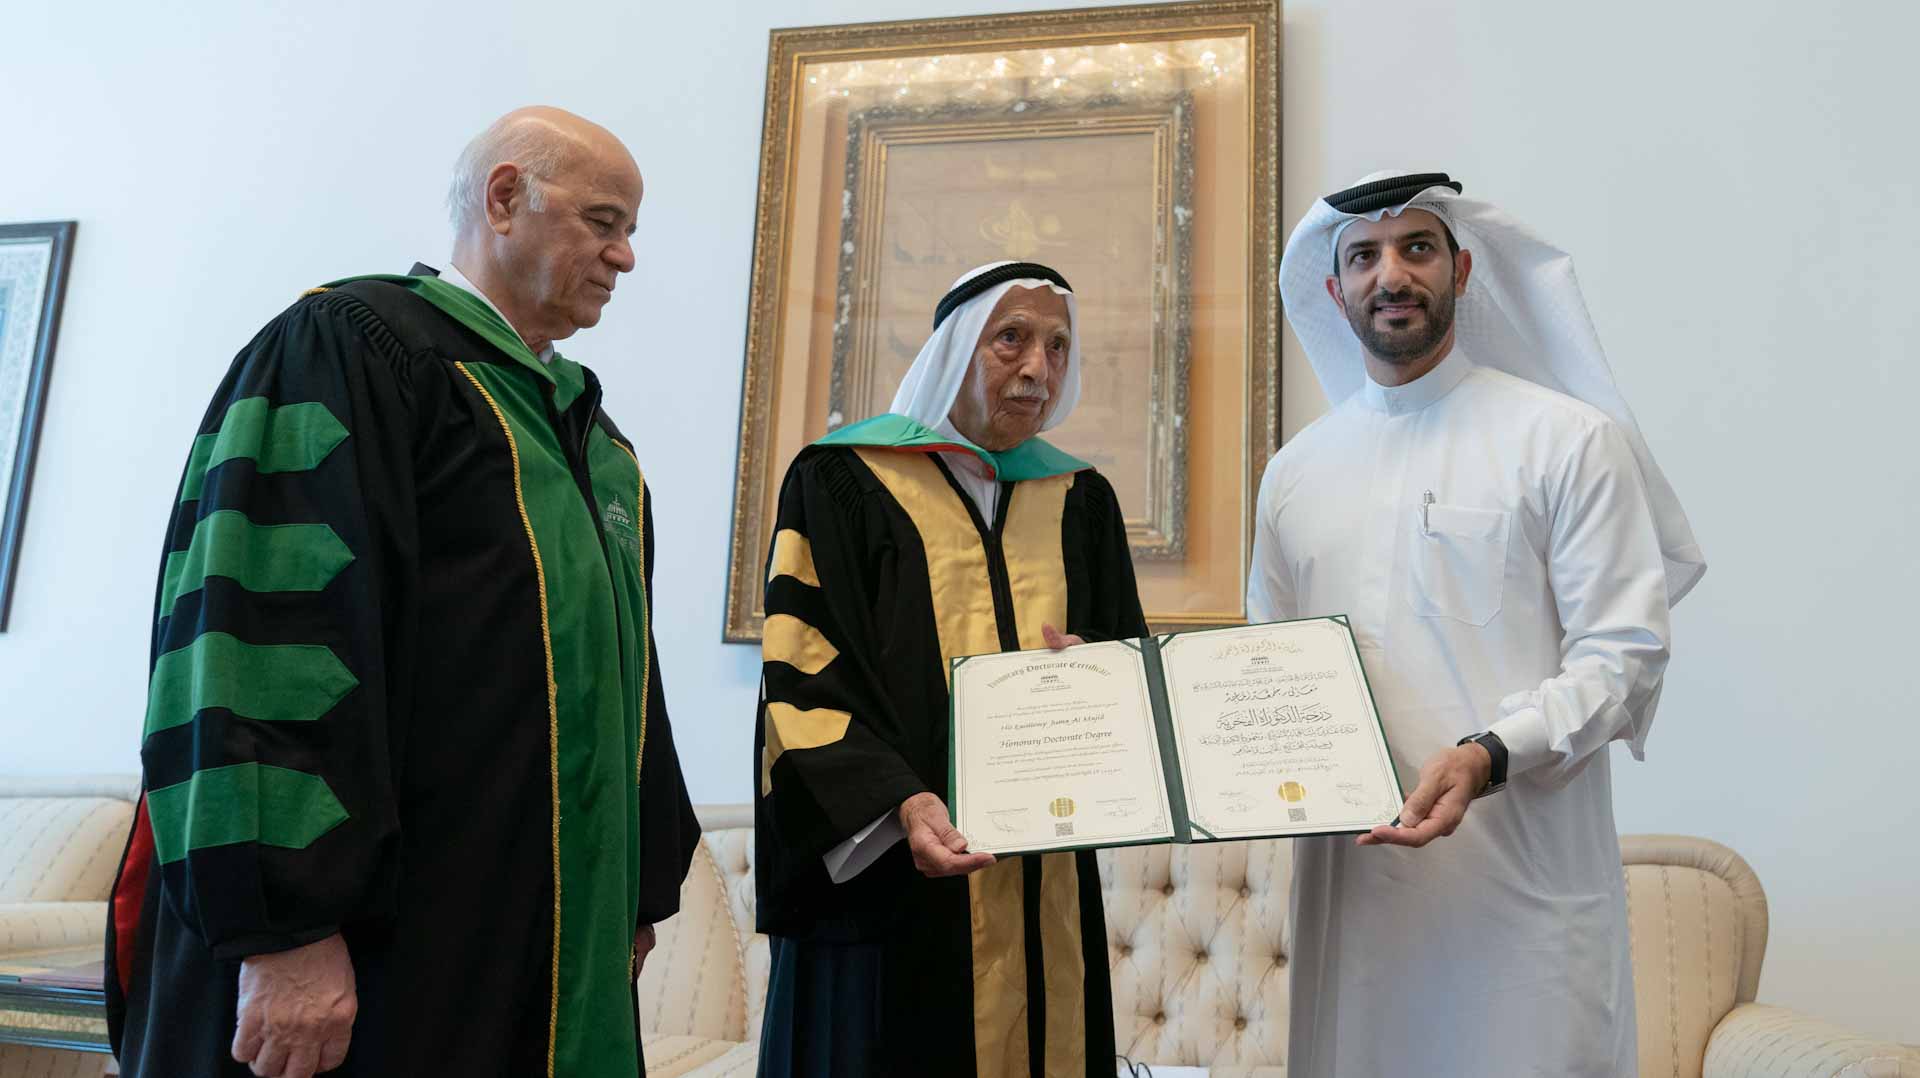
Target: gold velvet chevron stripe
789 727
787 639
793 556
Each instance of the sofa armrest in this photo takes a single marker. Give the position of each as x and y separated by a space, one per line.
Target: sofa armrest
46 926
1758 1041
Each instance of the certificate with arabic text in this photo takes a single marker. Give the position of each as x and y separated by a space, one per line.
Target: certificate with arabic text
1255 731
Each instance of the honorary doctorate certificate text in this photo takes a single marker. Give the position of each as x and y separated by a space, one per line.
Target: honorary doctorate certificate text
1255 731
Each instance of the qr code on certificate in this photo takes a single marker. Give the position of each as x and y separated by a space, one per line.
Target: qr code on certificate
1062 830
1297 815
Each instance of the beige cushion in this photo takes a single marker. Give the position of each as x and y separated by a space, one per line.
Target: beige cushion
116 785
696 1057
1697 919
1197 942
20 1062
46 926
694 983
707 975
1756 1041
61 849
672 1055
733 856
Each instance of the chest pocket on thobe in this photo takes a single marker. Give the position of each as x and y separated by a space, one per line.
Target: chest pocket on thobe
1459 563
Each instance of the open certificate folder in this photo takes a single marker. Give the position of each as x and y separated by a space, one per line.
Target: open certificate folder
1256 731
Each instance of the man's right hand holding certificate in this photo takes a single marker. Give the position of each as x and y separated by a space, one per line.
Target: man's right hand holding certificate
1436 806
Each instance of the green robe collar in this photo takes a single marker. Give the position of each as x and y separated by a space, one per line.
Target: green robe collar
1032 459
568 379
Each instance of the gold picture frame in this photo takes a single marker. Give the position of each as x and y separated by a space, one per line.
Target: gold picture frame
1134 148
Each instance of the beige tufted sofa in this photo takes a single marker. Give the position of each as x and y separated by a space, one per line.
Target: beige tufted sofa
60 843
1195 940
1198 939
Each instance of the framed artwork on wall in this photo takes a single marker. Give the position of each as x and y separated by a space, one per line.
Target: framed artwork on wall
1135 149
33 282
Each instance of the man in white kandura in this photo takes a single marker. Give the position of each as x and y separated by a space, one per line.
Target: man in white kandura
1480 503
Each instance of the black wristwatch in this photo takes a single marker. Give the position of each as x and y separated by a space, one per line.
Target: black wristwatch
1497 752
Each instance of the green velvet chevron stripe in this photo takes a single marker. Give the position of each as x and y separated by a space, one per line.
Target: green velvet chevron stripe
290 438
267 682
220 806
260 558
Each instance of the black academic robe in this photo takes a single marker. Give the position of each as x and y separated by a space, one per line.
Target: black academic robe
881 570
381 708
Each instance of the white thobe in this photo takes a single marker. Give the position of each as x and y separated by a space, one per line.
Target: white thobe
1528 598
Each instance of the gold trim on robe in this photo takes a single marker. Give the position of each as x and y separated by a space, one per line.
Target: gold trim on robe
965 621
1037 574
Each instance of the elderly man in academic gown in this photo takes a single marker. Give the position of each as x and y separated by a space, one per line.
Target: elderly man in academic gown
947 527
411 803
1481 505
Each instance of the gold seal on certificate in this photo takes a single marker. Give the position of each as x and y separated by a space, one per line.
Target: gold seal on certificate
1246 732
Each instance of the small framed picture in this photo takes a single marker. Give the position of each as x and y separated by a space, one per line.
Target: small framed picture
33 281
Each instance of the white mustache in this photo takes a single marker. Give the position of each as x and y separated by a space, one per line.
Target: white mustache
1038 393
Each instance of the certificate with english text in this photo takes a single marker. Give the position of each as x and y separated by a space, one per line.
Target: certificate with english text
1054 749
1254 731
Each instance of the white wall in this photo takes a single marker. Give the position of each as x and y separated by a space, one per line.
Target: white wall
1736 179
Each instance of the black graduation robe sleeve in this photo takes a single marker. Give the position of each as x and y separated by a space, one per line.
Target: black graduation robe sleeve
669 831
828 734
286 575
